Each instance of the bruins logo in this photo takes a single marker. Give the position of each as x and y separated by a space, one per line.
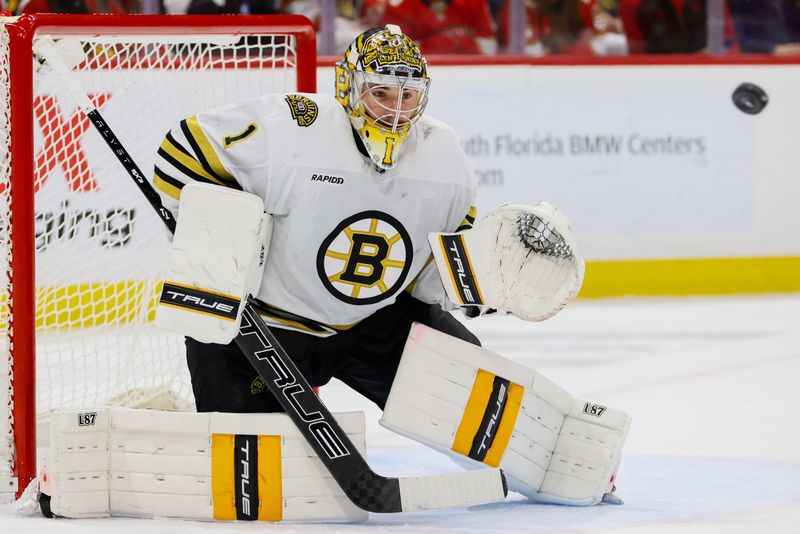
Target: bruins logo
257 386
304 110
366 258
397 50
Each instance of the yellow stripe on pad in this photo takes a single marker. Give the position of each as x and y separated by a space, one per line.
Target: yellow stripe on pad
270 479
507 423
473 412
223 493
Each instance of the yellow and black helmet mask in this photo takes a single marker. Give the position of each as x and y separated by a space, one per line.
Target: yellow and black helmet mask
383 83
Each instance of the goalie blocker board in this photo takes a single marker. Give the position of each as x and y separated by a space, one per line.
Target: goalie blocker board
217 259
213 466
477 406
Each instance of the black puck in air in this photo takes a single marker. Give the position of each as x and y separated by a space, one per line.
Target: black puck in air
750 98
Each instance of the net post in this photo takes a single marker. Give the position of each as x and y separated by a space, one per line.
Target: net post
22 325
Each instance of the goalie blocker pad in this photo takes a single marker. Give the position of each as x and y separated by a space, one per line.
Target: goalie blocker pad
209 466
217 259
470 403
518 259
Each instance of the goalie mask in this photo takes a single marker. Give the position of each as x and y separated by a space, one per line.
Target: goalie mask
382 82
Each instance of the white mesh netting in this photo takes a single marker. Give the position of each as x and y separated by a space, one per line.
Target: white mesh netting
99 245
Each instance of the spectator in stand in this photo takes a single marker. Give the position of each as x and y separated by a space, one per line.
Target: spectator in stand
767 26
346 27
609 38
664 26
567 27
438 26
75 7
218 7
791 19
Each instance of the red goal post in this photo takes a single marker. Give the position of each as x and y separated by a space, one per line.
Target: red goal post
78 248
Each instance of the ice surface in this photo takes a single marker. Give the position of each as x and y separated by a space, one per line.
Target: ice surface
712 385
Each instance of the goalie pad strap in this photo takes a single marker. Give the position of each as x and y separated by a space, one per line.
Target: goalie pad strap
471 403
213 466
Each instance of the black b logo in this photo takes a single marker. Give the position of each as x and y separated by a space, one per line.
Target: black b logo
366 258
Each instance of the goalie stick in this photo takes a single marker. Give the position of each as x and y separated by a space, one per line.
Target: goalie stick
365 488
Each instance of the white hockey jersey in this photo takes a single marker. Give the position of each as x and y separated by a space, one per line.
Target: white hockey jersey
346 238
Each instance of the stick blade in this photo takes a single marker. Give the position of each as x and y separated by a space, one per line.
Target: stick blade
452 490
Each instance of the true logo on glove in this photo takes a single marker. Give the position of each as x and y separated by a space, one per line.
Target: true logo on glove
461 269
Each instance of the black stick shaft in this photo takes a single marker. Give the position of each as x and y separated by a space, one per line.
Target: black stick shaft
133 170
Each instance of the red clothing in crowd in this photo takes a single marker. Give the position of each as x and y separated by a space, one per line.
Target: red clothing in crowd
540 29
116 7
439 27
687 32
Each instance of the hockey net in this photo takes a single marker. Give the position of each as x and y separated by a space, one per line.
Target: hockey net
71 210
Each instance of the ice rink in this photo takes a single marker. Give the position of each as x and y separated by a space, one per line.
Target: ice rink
712 384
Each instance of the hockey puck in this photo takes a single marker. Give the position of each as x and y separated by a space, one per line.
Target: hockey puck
750 98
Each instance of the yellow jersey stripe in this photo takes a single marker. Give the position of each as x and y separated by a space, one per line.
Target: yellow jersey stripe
186 164
469 219
177 145
289 319
205 151
162 183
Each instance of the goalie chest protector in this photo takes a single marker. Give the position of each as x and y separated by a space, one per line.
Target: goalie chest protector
346 238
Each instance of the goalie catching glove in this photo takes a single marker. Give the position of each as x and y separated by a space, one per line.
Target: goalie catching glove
217 261
518 259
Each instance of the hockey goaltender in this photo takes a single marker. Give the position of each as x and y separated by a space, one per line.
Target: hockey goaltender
349 223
